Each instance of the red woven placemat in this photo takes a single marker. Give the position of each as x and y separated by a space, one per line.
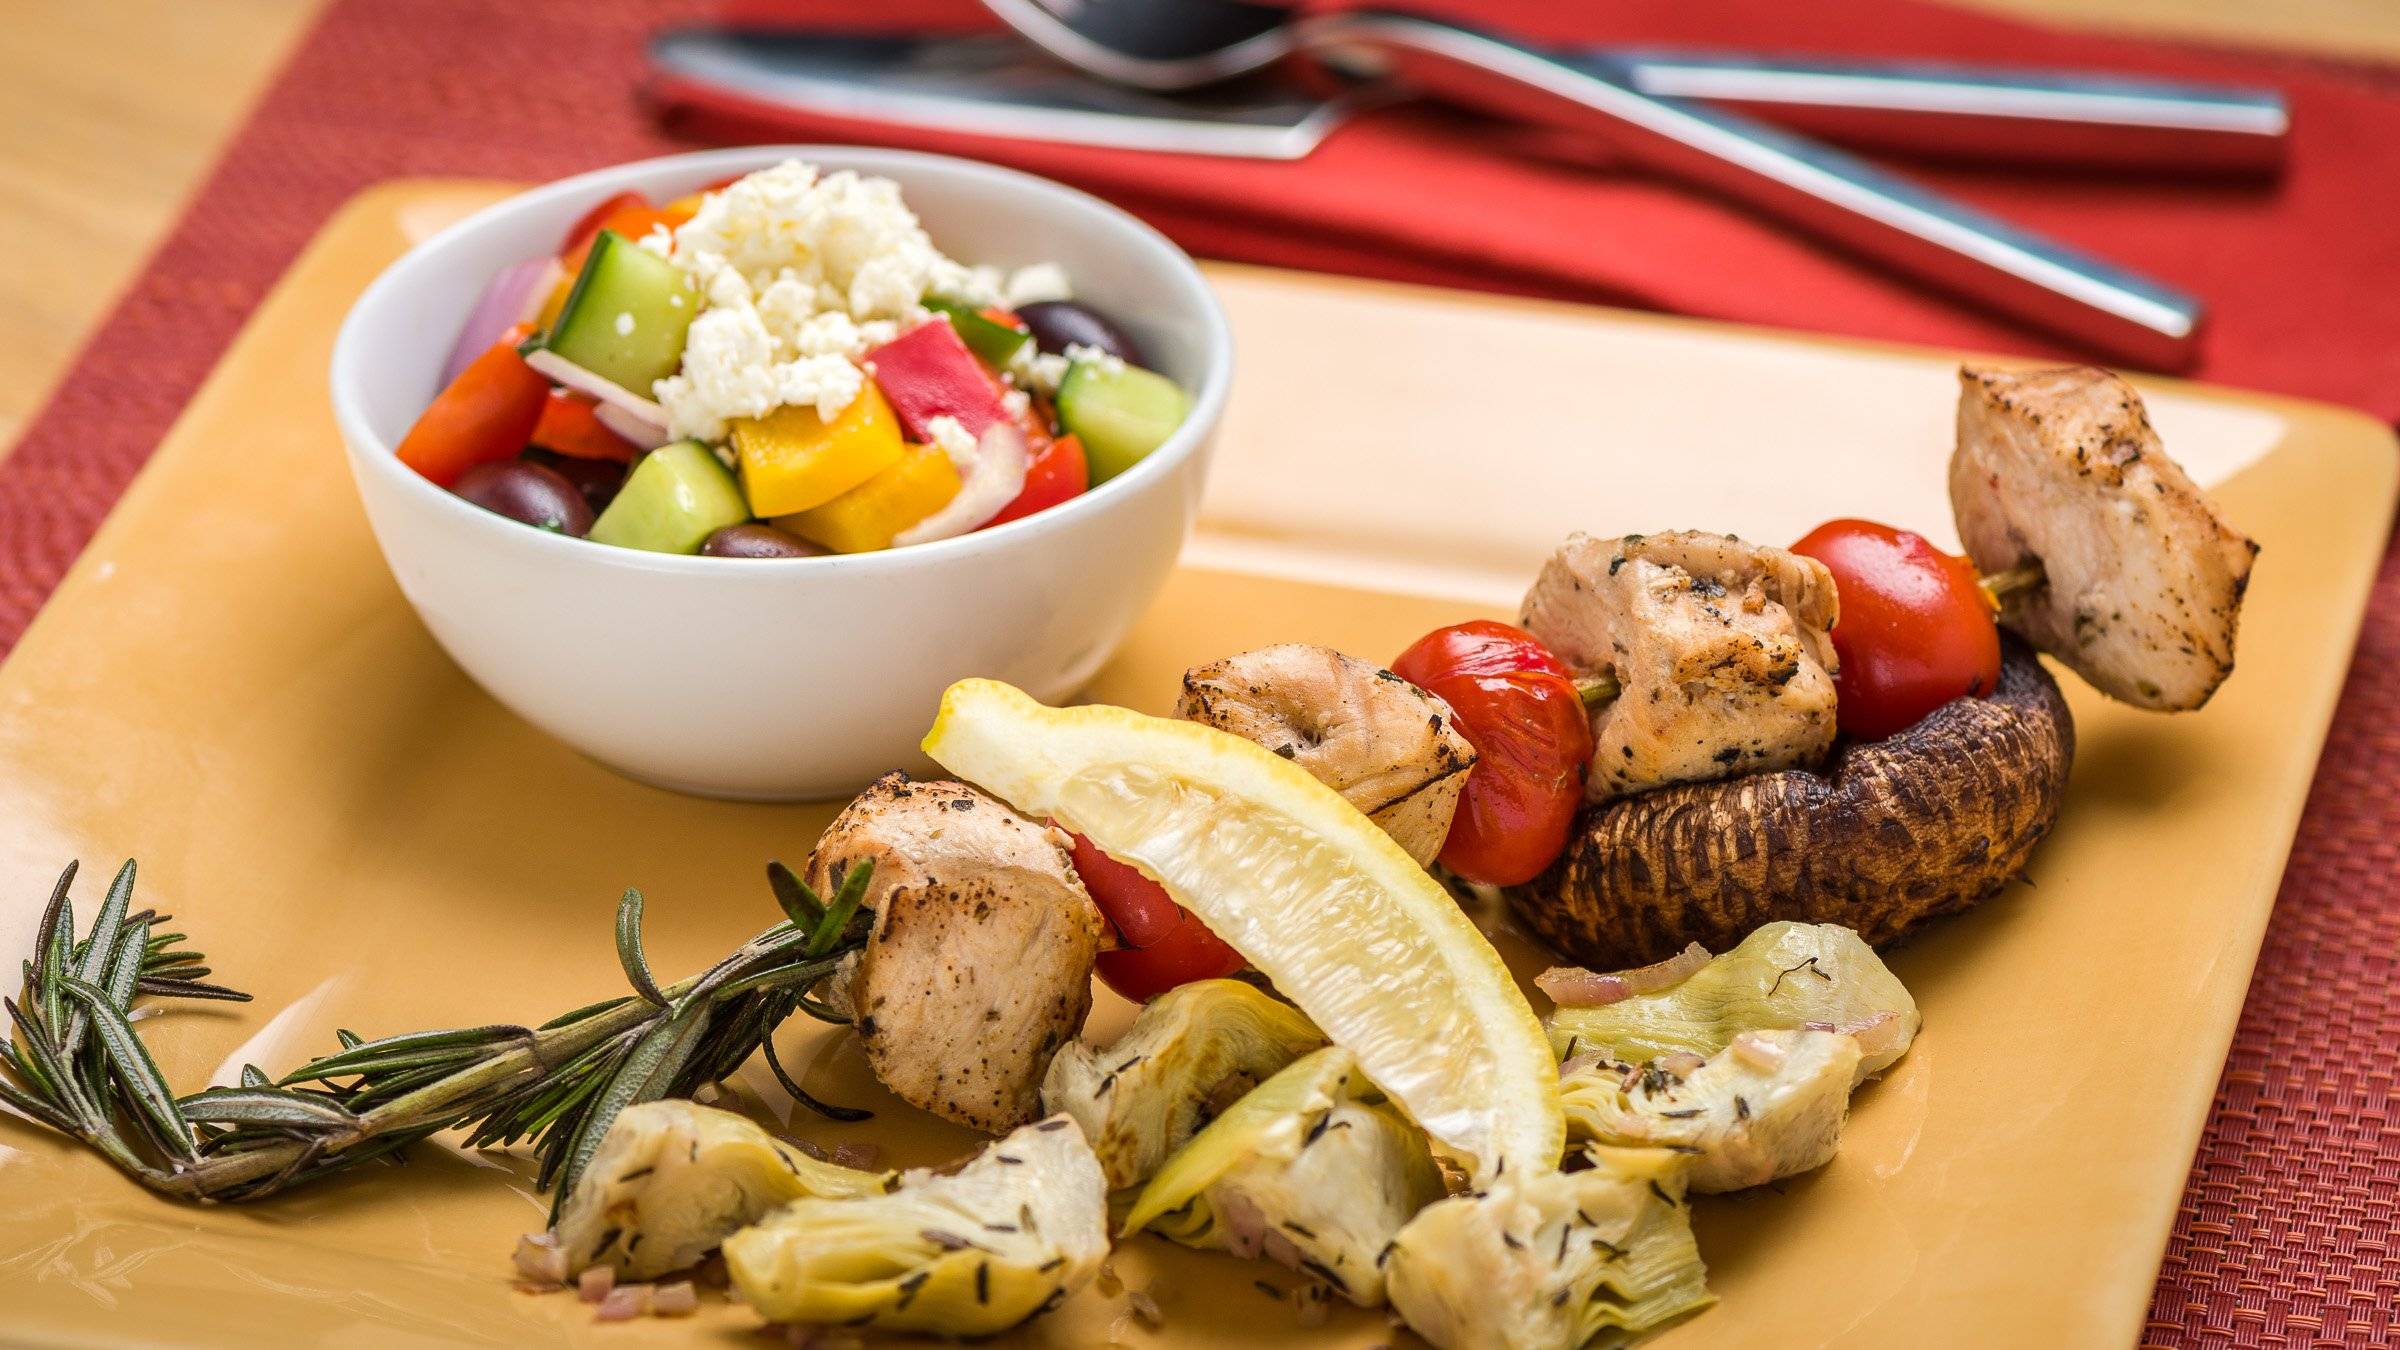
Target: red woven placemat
2286 1231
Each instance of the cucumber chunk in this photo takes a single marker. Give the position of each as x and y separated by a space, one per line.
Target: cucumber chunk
675 498
626 318
993 341
1120 412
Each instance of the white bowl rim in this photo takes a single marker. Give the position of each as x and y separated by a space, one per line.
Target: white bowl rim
375 456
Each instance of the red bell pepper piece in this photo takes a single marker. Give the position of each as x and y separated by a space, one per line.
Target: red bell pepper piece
927 372
569 426
587 227
633 220
487 413
1057 473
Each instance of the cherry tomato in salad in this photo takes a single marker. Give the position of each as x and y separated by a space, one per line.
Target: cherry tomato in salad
1164 945
487 413
1915 632
569 426
1057 473
1517 705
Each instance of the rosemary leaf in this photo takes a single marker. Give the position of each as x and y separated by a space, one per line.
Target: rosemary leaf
587 1010
406 1051
255 1077
846 898
34 1106
165 988
53 952
284 1110
98 951
848 1114
799 903
130 1060
629 947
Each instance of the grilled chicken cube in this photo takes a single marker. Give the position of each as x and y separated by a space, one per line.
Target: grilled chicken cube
672 1179
2142 581
974 1252
978 965
1720 650
1771 1105
1387 746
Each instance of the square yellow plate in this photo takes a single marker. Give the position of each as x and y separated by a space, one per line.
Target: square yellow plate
230 688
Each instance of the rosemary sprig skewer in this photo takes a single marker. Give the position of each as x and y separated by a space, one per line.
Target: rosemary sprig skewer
78 1066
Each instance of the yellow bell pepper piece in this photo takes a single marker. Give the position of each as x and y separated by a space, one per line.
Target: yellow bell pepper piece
867 516
793 460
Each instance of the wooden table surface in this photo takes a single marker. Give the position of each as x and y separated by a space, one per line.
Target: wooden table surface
131 99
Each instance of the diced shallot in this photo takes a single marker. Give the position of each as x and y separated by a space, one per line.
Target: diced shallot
540 1258
1575 987
679 1299
1758 1052
1682 1063
513 297
596 1283
994 482
624 1303
1875 1034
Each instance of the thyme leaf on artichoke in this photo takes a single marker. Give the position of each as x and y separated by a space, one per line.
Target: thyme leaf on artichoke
76 1062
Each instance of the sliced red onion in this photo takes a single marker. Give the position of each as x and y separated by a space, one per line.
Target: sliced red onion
994 482
862 1157
539 1258
1682 1063
561 371
1575 987
1245 1226
679 1299
636 428
1758 1052
596 1283
511 298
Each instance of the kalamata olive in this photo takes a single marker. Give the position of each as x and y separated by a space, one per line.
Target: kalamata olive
1060 324
597 479
757 541
523 490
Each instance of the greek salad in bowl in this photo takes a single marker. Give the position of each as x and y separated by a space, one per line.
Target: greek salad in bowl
782 365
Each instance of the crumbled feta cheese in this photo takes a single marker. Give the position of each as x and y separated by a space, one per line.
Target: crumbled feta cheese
1034 284
1016 404
951 437
1109 362
801 274
624 324
1037 370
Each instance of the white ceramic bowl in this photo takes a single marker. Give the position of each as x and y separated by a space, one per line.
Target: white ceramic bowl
793 678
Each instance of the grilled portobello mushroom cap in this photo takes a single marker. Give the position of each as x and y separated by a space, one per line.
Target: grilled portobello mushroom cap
1882 837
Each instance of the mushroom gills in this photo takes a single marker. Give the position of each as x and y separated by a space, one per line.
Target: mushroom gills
1145 1095
1720 650
672 1180
1769 1105
1311 1169
978 962
1545 1260
980 1251
2141 578
1785 976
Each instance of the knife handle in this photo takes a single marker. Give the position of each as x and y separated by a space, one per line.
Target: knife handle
1831 194
1943 111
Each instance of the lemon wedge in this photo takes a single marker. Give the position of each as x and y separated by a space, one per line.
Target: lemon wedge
1314 894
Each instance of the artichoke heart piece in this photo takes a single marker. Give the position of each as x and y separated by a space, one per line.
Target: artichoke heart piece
1553 1260
672 1180
1771 1105
1000 1241
1147 1094
1310 1169
1784 976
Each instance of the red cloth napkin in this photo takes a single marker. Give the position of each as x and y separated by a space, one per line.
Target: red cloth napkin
2300 274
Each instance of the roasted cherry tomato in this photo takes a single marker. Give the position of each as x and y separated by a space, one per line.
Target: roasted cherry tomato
1516 704
487 414
1164 946
1915 632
